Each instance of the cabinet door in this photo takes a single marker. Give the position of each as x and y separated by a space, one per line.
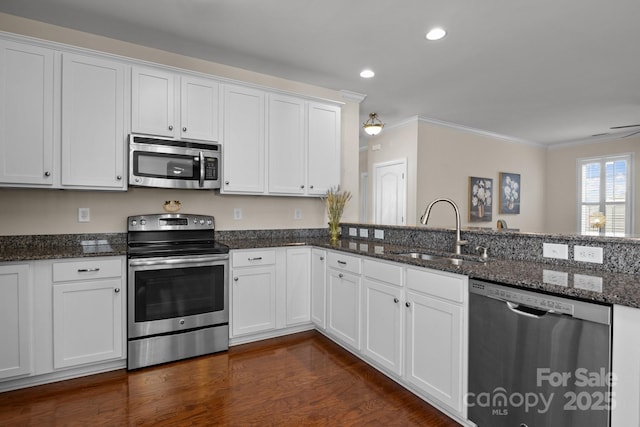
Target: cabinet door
153 102
26 114
243 144
434 347
254 300
287 153
383 324
15 318
93 134
298 287
87 322
199 108
318 288
323 134
344 307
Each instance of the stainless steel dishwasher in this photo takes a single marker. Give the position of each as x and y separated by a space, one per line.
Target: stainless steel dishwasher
537 360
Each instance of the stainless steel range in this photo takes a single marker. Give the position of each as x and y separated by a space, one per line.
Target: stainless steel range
178 289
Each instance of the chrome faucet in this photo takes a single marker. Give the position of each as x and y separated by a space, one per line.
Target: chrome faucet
427 212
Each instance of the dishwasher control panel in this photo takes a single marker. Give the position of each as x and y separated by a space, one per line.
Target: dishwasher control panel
529 299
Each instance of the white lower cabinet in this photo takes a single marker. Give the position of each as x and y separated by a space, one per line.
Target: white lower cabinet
253 291
344 297
626 367
436 337
319 288
382 314
16 323
270 292
88 306
298 289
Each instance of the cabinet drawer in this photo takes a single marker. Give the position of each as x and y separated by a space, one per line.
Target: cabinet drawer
89 269
383 272
249 258
344 262
451 287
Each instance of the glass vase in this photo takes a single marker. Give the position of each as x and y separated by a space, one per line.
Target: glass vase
334 231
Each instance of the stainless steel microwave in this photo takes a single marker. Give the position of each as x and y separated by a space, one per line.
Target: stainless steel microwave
168 163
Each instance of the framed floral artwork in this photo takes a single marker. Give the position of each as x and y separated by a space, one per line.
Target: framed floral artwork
509 193
480 199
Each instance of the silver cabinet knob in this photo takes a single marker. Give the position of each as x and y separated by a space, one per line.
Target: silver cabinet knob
311 186
341 275
302 187
321 258
170 127
184 129
119 177
235 279
47 173
408 304
226 183
181 321
117 290
396 300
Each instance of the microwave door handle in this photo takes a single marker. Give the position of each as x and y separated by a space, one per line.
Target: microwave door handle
201 169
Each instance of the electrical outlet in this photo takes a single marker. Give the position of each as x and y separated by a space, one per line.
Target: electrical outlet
553 277
237 213
586 282
297 213
587 254
353 231
84 214
555 250
378 234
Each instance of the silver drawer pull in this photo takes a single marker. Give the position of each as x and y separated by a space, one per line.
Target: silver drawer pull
342 262
87 270
258 258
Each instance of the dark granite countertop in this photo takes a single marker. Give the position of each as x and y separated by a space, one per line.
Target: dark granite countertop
591 285
26 248
586 284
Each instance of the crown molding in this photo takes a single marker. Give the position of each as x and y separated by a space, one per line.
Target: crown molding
352 96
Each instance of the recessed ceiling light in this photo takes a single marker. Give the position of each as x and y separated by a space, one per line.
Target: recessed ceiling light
436 34
367 74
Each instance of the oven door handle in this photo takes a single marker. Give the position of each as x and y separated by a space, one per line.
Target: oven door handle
202 169
150 262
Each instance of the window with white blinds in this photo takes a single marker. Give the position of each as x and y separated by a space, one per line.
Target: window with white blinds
604 186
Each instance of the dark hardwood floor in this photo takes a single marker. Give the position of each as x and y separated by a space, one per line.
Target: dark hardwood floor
298 380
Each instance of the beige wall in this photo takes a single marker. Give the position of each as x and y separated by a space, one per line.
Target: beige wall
449 156
561 186
440 160
397 143
49 211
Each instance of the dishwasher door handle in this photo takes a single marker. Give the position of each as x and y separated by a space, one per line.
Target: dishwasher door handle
523 310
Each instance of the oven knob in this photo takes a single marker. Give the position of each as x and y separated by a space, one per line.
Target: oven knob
143 221
201 221
134 223
209 222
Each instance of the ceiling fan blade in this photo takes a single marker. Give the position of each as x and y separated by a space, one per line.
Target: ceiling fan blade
626 126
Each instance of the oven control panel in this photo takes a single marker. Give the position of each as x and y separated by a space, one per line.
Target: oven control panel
171 221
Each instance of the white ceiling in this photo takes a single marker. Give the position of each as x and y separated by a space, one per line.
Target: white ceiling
543 71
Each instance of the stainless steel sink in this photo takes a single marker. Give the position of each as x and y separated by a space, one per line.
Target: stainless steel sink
438 258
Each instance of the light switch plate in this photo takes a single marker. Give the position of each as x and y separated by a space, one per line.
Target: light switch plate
364 233
587 254
84 214
378 234
555 250
353 231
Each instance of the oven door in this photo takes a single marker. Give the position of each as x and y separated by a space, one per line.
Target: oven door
177 293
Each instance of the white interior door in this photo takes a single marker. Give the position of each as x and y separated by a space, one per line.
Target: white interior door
390 192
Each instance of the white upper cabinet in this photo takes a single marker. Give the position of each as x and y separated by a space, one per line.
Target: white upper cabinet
26 114
323 133
243 144
93 116
199 108
304 146
287 151
168 104
152 102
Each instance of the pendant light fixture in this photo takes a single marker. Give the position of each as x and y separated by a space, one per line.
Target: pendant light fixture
374 125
